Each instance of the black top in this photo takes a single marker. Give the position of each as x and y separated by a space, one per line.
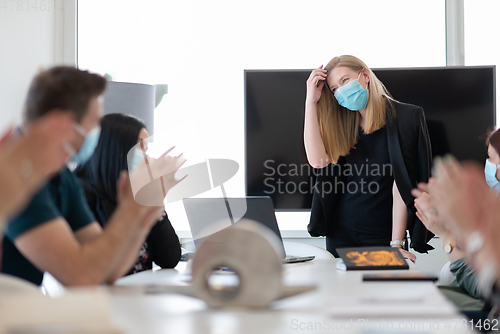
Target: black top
162 244
61 197
366 202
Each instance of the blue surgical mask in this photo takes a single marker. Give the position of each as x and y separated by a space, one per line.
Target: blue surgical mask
490 173
89 143
352 95
136 159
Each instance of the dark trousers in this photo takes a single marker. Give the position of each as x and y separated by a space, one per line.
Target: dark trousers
345 237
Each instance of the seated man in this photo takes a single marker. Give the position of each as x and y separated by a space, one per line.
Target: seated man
57 232
25 164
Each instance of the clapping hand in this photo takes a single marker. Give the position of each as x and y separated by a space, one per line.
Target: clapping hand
459 195
426 211
26 162
152 179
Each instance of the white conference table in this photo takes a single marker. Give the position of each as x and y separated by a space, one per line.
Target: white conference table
341 303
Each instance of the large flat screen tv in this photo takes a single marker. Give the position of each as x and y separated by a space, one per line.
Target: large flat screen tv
459 105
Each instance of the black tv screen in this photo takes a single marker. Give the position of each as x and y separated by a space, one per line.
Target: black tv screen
459 105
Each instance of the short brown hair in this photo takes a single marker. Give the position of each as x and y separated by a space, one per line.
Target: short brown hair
62 87
493 139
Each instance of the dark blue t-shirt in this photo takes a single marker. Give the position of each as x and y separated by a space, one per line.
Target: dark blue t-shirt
61 197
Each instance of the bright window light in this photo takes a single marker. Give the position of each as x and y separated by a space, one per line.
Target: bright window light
201 48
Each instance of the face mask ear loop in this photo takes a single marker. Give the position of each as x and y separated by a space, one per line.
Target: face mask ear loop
359 76
80 129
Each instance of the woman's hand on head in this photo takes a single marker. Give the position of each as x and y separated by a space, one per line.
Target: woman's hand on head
315 84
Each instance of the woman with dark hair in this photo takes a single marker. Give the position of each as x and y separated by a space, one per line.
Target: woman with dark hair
99 176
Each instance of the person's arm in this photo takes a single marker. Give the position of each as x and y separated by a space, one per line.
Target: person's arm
456 253
53 247
399 221
428 216
471 210
88 233
126 259
484 256
399 215
460 196
466 277
315 149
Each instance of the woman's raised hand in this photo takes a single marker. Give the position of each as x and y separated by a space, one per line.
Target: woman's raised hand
315 84
166 167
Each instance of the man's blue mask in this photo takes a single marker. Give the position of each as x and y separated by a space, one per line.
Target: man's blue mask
89 144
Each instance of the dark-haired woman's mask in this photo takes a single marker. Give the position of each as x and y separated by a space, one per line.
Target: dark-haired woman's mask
138 157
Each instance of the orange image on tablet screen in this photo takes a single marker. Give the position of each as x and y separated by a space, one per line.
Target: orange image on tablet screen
375 258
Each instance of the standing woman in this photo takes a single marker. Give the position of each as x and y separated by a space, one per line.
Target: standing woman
369 151
99 177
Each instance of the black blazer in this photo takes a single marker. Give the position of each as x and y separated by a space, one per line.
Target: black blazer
410 155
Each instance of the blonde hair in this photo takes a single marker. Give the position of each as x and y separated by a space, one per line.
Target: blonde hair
338 126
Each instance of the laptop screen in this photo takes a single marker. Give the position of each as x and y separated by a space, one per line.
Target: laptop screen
210 215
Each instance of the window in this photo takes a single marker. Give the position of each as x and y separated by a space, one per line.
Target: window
200 49
480 33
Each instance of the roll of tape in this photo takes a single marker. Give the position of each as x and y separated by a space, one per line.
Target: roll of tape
251 257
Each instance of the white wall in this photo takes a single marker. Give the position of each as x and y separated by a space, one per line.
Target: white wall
31 38
27 45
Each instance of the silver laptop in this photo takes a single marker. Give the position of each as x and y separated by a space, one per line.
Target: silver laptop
209 215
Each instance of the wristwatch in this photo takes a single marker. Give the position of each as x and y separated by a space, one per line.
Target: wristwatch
448 248
401 243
